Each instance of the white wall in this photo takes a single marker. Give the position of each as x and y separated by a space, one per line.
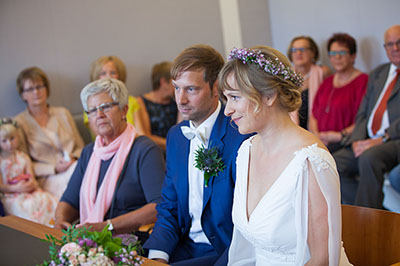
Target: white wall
365 20
64 37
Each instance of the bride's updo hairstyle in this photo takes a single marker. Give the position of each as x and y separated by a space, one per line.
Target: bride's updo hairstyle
263 72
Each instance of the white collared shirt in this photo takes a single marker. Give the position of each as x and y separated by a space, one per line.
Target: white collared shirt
385 119
196 186
196 179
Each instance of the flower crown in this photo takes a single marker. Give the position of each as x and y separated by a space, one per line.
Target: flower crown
248 56
7 120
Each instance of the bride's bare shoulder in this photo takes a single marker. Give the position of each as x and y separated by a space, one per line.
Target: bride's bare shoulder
305 138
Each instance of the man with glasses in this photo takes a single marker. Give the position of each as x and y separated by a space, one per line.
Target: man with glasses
373 147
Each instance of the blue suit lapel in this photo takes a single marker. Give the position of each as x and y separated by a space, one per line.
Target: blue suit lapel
182 158
217 134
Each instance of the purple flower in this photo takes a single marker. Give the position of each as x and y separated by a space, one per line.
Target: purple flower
277 68
87 242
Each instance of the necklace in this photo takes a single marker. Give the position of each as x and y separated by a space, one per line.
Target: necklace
336 86
307 76
340 83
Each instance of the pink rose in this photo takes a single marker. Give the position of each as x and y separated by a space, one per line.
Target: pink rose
92 252
71 257
71 248
82 258
74 262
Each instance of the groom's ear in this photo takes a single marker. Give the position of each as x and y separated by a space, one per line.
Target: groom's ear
215 89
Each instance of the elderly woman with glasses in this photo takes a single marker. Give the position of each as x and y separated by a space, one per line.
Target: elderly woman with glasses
118 178
303 53
50 134
339 96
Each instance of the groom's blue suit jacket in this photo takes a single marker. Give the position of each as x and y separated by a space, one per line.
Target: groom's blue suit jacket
173 219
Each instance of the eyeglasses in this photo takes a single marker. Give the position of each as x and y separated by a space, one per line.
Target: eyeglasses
335 53
104 108
300 49
31 89
390 45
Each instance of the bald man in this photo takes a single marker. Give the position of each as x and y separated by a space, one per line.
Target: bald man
374 145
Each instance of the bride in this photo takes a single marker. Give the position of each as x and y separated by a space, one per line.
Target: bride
286 207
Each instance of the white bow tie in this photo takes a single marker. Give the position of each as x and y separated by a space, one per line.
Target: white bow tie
191 133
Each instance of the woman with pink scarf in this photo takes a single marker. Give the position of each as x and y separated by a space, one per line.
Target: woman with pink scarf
118 179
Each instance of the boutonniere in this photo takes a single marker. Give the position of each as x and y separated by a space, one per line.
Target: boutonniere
208 160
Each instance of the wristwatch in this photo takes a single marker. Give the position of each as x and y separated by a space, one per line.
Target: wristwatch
386 137
110 226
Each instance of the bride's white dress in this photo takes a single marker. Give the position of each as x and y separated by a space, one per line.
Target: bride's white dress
276 232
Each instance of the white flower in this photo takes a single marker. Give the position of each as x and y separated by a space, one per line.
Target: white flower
82 258
92 252
71 248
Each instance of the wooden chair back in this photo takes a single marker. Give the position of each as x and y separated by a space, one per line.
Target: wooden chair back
370 236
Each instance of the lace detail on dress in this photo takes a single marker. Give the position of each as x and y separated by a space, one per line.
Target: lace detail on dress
320 157
284 253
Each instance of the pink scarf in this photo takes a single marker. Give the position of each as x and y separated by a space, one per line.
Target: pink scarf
93 208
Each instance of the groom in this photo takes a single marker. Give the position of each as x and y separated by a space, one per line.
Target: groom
194 218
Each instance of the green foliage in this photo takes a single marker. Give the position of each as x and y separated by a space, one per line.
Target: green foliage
112 246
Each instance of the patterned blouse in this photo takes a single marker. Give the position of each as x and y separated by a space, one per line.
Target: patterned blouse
162 116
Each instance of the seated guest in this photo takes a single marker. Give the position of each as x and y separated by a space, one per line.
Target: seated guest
340 95
118 178
394 178
194 225
158 111
50 134
111 67
20 192
373 147
303 53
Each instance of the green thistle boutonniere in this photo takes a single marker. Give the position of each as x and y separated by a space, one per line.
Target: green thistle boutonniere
208 160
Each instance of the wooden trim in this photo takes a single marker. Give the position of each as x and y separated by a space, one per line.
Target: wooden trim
40 231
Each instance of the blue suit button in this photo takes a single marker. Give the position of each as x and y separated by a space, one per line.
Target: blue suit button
183 229
212 237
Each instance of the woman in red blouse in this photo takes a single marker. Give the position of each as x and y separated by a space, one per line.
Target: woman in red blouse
339 96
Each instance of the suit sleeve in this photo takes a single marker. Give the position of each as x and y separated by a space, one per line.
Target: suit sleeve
166 232
360 128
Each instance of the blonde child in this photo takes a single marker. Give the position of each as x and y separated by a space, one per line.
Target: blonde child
19 190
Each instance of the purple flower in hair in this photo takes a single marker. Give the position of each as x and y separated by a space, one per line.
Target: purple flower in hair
248 56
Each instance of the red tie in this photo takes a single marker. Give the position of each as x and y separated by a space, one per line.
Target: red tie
377 121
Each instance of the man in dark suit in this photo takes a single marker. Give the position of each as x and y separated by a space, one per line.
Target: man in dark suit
373 147
194 219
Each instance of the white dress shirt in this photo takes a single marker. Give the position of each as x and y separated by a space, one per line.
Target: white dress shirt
385 119
196 184
196 178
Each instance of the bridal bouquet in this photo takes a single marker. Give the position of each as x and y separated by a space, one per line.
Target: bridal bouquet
82 247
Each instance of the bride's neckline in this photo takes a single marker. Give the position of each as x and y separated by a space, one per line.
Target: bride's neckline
277 180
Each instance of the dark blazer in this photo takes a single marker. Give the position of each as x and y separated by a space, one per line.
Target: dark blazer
173 219
375 85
